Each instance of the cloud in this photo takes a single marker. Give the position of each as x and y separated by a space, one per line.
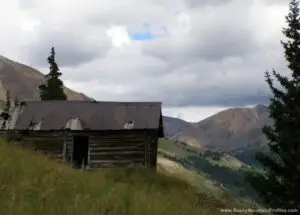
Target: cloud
74 47
196 3
192 114
119 35
181 52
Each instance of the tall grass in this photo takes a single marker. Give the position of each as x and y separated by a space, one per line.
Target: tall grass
35 185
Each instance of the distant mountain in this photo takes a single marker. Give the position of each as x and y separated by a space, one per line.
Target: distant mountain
215 173
236 131
23 81
235 128
177 129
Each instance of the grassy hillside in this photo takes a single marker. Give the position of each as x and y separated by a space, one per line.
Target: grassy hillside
215 172
31 184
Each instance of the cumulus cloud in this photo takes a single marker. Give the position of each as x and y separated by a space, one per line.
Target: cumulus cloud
197 53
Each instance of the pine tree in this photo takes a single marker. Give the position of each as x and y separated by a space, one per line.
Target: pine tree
16 101
279 186
53 90
8 102
5 114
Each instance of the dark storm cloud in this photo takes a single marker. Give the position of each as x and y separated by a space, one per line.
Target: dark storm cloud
72 49
196 95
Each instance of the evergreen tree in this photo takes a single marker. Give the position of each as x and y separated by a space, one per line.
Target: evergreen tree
8 102
16 101
5 114
279 186
53 89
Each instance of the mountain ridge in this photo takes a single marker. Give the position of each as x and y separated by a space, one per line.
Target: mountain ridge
22 81
227 131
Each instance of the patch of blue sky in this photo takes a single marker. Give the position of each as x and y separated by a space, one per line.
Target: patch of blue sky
146 32
142 36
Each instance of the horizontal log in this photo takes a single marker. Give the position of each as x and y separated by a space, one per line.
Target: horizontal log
84 132
49 151
48 144
38 138
115 165
42 136
92 138
116 138
116 134
140 145
114 141
93 162
92 153
109 145
117 148
44 146
117 156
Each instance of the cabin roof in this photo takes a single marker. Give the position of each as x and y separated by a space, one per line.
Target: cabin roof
88 115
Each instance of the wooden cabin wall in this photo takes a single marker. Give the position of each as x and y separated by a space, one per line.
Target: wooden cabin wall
48 143
106 149
117 149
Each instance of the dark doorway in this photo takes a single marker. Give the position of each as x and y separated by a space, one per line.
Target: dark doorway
80 151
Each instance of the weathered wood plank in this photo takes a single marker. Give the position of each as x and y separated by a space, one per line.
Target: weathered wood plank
117 148
117 156
92 153
41 140
116 161
123 141
100 145
110 165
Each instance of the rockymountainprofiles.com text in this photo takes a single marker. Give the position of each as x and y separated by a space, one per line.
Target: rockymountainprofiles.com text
258 210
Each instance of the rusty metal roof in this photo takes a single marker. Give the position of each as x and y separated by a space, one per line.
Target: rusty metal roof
55 115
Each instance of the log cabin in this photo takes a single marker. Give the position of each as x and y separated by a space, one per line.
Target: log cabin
90 133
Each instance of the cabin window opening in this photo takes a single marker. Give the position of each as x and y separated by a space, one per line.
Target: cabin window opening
129 125
80 151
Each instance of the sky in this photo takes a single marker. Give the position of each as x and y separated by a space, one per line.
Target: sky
196 57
